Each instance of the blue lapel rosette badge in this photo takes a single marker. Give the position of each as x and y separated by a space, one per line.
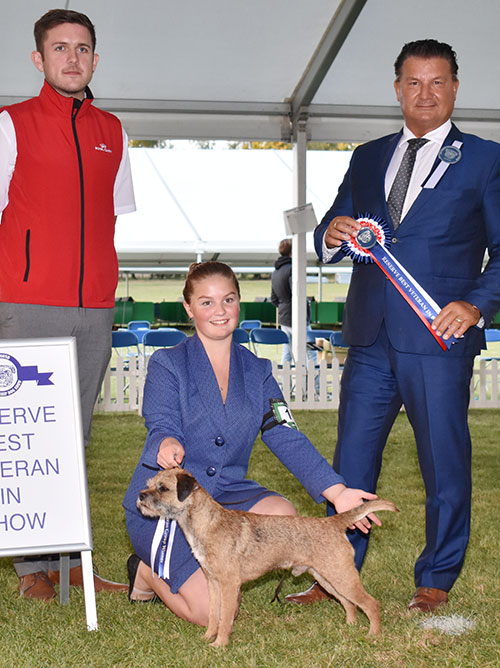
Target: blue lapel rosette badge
448 155
371 244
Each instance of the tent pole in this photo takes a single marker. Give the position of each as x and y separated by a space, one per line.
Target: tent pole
299 256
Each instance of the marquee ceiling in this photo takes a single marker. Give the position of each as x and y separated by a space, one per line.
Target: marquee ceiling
237 69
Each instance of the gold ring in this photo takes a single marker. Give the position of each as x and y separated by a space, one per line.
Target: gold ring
334 226
459 319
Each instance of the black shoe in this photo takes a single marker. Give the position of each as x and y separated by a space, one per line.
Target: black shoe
132 565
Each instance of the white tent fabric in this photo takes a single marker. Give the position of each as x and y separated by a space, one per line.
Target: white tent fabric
227 203
239 69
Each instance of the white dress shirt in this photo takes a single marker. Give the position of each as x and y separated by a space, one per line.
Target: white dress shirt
426 156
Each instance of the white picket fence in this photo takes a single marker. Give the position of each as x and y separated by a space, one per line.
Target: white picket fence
310 388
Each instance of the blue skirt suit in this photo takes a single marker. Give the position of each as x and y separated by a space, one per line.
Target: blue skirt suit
182 400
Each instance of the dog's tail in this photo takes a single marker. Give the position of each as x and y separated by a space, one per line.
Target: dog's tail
350 517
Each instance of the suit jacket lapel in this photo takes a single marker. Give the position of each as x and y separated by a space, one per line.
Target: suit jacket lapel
236 391
201 371
454 134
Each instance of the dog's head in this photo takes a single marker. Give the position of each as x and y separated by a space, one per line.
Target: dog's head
166 494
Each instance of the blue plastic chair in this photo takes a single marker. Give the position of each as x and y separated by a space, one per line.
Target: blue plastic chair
139 324
267 336
313 334
240 335
337 340
126 345
140 327
492 335
162 338
124 338
250 324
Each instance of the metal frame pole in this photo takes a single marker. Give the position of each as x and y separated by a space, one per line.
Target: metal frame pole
299 256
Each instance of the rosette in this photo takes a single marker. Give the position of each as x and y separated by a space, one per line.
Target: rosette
371 244
372 230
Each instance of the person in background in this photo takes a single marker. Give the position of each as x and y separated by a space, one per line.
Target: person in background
281 293
64 177
281 297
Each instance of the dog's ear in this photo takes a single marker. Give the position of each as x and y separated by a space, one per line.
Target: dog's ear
185 484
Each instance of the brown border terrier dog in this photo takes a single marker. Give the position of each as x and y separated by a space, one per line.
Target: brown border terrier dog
233 546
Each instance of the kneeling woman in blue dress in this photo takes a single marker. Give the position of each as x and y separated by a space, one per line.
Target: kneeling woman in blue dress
205 402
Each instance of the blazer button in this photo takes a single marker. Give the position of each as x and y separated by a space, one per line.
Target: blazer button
219 441
394 240
211 471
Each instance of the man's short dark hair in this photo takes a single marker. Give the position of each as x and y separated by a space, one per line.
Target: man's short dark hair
55 17
427 48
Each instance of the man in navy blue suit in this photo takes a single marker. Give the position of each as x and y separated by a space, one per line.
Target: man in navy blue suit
450 216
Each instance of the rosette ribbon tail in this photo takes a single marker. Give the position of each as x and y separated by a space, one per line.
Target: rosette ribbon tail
370 246
421 302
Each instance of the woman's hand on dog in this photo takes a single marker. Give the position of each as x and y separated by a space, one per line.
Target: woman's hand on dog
345 498
170 454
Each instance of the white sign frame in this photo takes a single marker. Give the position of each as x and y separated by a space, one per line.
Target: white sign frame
44 502
300 219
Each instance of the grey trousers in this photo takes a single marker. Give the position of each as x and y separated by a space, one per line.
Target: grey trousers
92 329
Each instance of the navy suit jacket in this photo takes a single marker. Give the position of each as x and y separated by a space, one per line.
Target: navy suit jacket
182 399
441 242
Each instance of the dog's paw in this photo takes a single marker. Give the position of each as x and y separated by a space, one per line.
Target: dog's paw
220 642
209 635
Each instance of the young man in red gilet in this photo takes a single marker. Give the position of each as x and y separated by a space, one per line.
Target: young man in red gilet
64 177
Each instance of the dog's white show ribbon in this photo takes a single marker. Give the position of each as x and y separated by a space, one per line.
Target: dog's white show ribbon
155 543
163 540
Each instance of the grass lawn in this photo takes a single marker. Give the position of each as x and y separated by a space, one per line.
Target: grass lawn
268 635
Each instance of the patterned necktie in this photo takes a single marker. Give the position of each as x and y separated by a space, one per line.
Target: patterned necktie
397 196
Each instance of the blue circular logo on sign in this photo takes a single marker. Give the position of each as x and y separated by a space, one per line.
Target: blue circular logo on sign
9 375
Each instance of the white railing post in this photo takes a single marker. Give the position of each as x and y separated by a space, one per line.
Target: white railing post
314 387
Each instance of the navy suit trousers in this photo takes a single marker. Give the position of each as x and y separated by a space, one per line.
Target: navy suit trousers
434 389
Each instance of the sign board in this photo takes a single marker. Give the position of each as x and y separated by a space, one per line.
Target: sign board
44 505
301 219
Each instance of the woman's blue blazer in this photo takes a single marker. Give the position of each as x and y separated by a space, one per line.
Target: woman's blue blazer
182 399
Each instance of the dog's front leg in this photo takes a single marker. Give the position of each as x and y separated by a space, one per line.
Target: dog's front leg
213 607
229 596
